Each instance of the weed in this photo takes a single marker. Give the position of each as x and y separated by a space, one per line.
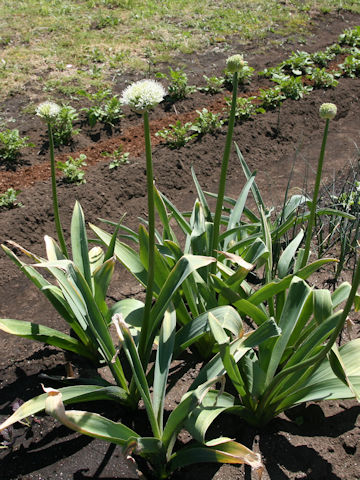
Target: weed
11 145
176 135
8 199
72 169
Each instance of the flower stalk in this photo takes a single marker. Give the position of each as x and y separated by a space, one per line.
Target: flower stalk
48 111
327 112
223 174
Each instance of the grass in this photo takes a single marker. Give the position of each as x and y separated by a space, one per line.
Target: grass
63 43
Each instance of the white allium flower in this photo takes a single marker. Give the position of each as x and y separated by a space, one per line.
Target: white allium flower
235 63
328 111
48 110
142 96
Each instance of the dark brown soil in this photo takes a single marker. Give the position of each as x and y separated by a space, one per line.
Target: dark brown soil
316 441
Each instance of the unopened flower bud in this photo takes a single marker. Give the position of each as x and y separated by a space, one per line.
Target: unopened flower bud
144 95
235 63
328 111
48 111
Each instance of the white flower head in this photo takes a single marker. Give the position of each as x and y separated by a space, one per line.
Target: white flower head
327 111
143 95
48 111
235 63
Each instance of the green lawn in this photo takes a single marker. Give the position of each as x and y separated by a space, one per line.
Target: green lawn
64 45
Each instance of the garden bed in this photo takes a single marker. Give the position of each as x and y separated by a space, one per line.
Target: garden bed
312 441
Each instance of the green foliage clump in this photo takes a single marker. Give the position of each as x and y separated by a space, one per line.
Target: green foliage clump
244 109
176 135
213 85
11 144
271 98
298 63
350 37
119 159
322 78
351 66
8 199
178 87
206 122
106 108
72 169
292 87
63 126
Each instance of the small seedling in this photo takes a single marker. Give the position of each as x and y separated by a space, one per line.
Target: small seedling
323 79
298 63
11 145
72 169
350 37
207 122
118 158
176 135
178 88
291 87
105 107
63 128
245 108
213 85
271 97
351 66
8 199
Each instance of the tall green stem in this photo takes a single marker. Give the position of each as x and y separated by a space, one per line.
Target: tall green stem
224 167
59 230
315 197
151 225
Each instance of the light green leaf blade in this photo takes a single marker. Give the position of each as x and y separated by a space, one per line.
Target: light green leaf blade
79 242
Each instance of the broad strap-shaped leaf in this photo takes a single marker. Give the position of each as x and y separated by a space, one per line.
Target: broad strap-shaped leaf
51 292
162 364
271 352
101 280
237 211
323 383
202 197
125 254
183 268
79 243
41 333
226 315
164 216
73 394
179 217
288 255
255 191
220 450
91 424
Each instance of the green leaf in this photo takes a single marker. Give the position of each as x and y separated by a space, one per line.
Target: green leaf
102 277
91 424
221 450
255 191
73 394
79 243
40 333
163 361
288 255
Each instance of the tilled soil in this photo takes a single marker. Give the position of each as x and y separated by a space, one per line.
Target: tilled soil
312 441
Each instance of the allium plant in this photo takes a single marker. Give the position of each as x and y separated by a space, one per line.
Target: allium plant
49 113
327 112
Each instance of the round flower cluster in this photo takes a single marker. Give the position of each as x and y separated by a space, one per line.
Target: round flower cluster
48 110
328 111
142 96
235 63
